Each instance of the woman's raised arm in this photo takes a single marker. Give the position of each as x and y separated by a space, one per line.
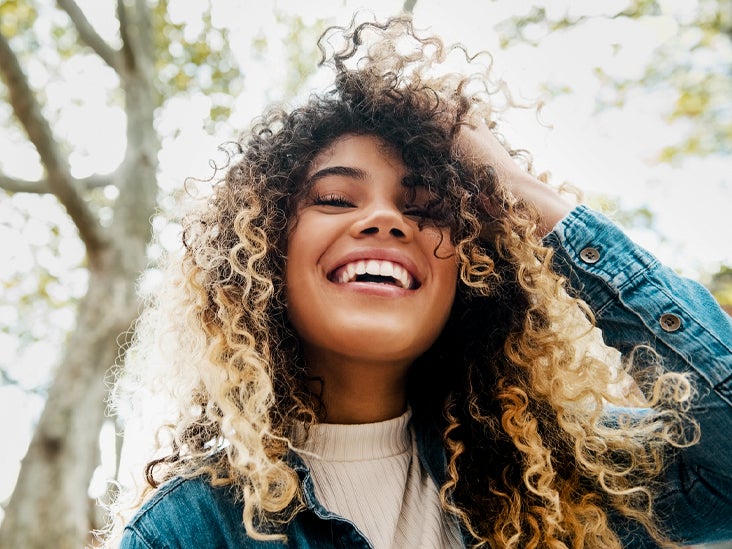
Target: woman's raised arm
478 143
639 301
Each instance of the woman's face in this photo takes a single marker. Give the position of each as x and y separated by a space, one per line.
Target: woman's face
364 283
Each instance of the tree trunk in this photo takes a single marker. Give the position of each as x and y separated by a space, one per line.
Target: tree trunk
49 506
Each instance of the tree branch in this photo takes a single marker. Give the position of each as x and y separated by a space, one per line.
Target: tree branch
146 30
15 185
28 112
136 30
7 380
124 31
89 35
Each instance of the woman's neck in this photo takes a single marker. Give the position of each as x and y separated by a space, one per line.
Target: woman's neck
357 392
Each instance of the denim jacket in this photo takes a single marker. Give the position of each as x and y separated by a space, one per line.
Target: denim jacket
636 300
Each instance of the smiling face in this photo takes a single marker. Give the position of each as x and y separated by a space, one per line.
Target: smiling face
364 282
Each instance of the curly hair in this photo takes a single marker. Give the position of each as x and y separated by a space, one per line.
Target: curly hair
532 460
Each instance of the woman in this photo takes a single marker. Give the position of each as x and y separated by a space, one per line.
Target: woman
380 334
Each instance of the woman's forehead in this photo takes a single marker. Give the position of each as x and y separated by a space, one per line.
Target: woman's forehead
349 145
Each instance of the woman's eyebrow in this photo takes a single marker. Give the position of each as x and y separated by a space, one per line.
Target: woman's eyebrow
347 171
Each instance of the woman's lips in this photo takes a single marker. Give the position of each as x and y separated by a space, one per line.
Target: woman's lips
374 271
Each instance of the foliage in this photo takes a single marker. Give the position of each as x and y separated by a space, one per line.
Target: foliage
41 284
627 217
693 57
720 284
16 17
195 62
186 64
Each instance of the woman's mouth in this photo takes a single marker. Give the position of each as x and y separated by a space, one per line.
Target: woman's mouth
376 271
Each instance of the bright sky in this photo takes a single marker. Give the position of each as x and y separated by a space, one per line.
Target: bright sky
610 152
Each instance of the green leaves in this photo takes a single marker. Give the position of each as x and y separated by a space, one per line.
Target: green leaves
693 62
720 285
201 63
16 16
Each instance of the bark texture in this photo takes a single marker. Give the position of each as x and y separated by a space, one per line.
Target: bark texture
50 506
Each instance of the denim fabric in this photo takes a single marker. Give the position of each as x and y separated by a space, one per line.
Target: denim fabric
190 513
630 292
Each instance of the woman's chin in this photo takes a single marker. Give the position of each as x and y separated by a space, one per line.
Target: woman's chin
376 346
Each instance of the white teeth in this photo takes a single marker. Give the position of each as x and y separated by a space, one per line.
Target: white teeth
401 275
375 267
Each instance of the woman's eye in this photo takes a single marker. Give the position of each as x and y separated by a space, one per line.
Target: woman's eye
332 200
416 211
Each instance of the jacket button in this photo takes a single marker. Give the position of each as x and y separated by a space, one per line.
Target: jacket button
670 323
590 255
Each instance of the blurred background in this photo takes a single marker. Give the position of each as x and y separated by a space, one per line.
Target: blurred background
107 107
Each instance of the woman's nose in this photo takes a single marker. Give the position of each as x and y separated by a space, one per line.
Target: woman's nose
383 220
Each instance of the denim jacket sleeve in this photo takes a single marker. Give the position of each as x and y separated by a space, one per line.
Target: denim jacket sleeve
637 300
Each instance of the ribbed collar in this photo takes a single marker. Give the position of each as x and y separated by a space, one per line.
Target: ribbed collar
360 442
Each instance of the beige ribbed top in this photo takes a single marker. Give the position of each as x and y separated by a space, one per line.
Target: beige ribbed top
371 475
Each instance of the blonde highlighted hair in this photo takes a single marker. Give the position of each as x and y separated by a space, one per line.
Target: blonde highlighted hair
518 383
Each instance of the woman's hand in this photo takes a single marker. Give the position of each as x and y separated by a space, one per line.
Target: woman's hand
477 142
